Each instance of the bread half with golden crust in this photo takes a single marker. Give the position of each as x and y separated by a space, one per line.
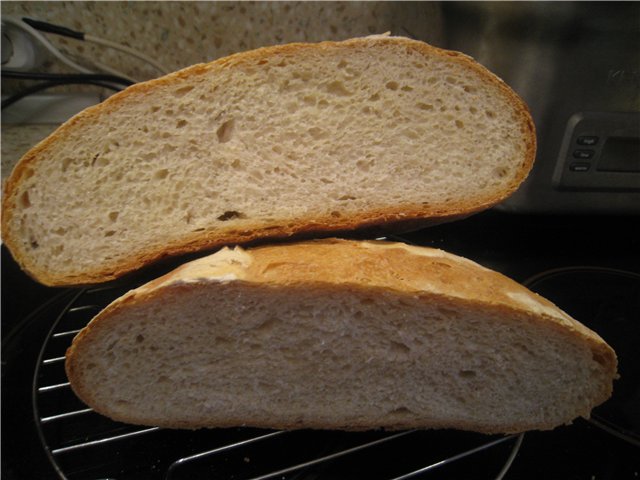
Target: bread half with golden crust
299 139
336 334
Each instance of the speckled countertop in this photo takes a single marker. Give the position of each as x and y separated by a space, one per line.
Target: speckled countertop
179 34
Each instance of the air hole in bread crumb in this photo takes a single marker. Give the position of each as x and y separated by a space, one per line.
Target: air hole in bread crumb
181 92
161 174
113 216
229 215
109 233
28 173
343 63
447 313
410 134
460 399
490 113
400 411
425 106
467 373
309 100
499 172
524 348
24 199
364 165
266 327
336 214
399 348
459 123
473 110
392 85
33 243
139 338
225 131
222 340
337 88
317 133
181 123
65 164
407 88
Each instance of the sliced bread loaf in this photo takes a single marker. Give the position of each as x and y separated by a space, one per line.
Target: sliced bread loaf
291 139
337 334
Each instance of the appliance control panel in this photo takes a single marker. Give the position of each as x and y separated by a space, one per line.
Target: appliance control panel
600 151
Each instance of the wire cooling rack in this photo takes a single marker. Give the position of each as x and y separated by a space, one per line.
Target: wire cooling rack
82 444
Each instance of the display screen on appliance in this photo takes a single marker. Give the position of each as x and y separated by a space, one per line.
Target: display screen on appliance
620 154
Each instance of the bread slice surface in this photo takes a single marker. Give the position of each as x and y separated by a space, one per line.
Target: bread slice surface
285 140
339 334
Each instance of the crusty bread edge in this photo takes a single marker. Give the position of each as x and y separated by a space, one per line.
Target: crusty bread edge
399 215
601 351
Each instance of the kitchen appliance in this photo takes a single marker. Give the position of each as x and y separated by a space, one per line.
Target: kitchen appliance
577 66
570 233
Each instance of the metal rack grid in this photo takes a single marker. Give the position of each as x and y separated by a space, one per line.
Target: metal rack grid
82 444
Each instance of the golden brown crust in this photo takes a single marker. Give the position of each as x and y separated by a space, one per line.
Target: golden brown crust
374 264
398 215
430 275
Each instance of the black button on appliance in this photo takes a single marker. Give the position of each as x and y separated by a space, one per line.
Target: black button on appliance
588 140
579 167
583 154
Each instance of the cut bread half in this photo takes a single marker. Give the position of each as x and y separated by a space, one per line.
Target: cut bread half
335 334
299 139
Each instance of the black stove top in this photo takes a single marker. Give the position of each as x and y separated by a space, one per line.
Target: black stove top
589 266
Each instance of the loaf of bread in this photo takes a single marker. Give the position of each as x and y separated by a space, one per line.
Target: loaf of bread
300 139
337 334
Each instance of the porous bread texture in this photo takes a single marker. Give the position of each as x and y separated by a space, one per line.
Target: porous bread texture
339 335
301 138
